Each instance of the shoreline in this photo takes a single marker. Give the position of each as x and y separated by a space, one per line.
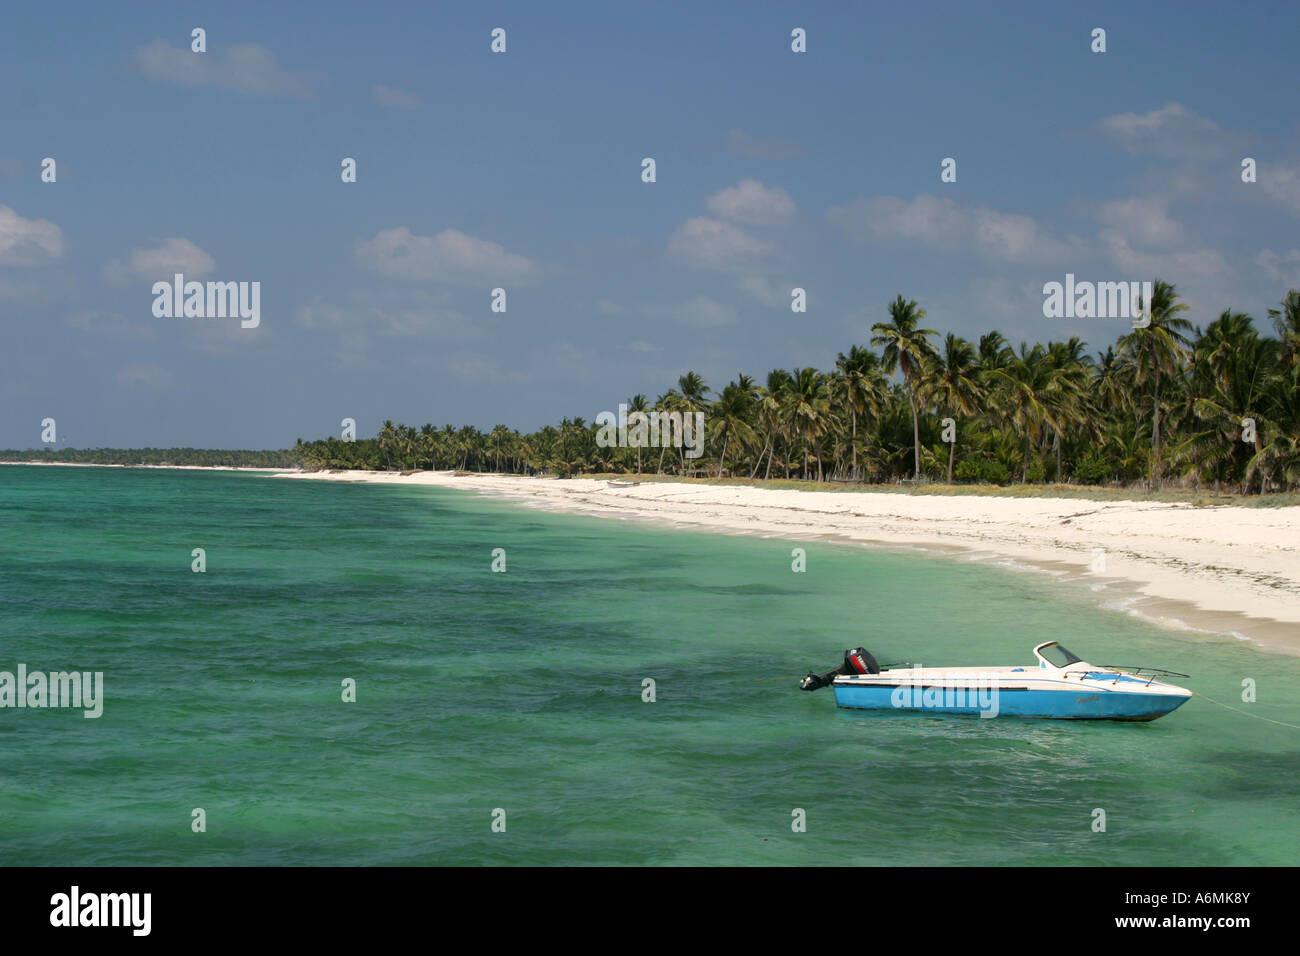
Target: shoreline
87 464
1223 570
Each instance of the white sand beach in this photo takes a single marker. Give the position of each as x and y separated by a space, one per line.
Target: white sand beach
1221 569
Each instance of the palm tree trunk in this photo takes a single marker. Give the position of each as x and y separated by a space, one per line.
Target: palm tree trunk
1155 432
916 435
759 463
853 448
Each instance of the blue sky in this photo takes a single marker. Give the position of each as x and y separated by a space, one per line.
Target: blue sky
522 170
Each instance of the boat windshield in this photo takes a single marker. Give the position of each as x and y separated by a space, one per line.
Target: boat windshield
1058 656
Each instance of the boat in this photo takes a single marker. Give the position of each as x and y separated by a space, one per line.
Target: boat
622 484
1061 685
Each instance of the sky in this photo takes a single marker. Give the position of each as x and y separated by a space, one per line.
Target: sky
522 170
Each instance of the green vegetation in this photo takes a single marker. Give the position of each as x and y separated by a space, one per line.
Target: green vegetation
1166 405
206 457
1213 412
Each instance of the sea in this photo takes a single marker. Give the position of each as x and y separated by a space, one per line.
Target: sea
323 673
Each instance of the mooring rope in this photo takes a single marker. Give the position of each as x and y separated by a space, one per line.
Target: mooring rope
1254 716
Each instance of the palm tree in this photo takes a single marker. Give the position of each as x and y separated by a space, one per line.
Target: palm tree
1111 382
1022 391
1229 375
669 401
1287 321
500 435
1158 351
407 442
906 348
808 411
638 403
694 398
387 441
428 440
859 387
771 415
995 352
1278 456
729 417
1156 394
951 381
1070 370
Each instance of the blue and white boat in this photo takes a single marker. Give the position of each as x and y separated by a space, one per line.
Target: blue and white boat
1060 685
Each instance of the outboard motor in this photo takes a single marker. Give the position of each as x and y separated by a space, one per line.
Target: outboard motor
856 661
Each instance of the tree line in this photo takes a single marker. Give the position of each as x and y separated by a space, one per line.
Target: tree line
1168 402
206 457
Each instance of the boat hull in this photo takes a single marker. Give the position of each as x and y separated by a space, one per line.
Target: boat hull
1074 703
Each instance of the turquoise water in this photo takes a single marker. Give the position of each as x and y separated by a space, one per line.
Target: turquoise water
523 691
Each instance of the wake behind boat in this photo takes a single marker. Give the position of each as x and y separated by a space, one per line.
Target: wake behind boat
1060 685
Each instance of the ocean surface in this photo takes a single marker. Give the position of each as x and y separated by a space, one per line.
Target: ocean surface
522 692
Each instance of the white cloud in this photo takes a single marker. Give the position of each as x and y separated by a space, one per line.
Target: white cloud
1202 264
321 315
1001 299
1172 132
1014 237
226 337
160 263
144 376
1142 219
926 218
412 317
247 67
752 203
450 256
478 369
393 98
28 242
940 221
111 325
1282 184
713 244
1285 267
25 290
447 323
700 312
763 290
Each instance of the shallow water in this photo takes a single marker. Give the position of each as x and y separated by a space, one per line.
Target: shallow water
523 691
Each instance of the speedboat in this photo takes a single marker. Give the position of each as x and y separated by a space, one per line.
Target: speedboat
1060 685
